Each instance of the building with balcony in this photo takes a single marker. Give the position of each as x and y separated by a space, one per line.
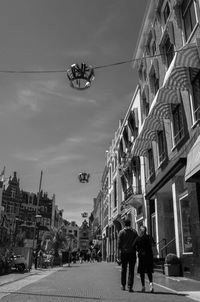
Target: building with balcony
168 65
153 164
123 183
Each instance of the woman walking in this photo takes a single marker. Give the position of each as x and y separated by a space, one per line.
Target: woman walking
145 256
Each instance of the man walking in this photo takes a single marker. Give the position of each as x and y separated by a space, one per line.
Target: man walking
127 254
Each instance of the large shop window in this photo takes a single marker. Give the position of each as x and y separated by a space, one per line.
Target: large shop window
196 98
178 126
189 17
185 207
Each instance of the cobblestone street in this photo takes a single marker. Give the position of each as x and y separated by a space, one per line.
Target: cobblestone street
91 282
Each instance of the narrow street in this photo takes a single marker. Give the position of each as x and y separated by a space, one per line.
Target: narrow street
91 282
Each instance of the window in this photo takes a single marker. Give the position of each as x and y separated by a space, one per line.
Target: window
166 12
133 124
161 146
115 193
151 163
153 48
168 49
13 193
145 107
185 207
177 119
154 82
189 17
196 98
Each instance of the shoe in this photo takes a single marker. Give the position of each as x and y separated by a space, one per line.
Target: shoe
143 289
123 287
130 290
151 287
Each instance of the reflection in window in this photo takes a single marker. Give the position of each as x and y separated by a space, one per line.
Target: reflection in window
185 205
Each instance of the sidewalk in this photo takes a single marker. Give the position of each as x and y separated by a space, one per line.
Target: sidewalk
181 285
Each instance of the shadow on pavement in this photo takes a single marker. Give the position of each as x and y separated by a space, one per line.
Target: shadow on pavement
86 298
162 293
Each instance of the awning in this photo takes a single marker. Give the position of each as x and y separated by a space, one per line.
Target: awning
186 63
150 128
141 146
192 173
160 109
161 105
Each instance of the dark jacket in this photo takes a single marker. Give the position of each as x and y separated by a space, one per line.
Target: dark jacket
145 253
126 240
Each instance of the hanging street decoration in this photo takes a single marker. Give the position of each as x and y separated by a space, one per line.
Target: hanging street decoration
84 177
84 214
80 76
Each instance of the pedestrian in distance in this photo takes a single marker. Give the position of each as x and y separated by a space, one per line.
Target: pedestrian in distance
127 254
145 257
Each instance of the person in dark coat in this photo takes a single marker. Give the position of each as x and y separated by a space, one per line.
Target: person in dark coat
145 256
127 253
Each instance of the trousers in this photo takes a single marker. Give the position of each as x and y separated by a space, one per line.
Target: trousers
128 262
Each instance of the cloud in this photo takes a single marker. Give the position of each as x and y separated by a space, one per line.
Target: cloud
64 152
25 157
61 159
27 100
77 53
81 99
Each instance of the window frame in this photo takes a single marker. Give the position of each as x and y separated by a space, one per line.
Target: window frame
183 14
154 82
115 193
177 108
166 17
151 166
161 146
167 50
145 105
195 107
182 198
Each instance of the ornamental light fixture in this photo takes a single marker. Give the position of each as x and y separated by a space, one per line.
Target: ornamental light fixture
80 76
84 177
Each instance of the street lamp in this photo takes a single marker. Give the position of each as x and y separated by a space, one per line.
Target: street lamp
80 76
84 177
36 236
38 220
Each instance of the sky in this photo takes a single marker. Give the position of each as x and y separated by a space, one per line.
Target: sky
45 125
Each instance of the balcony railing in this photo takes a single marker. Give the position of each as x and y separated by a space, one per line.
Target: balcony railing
128 192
